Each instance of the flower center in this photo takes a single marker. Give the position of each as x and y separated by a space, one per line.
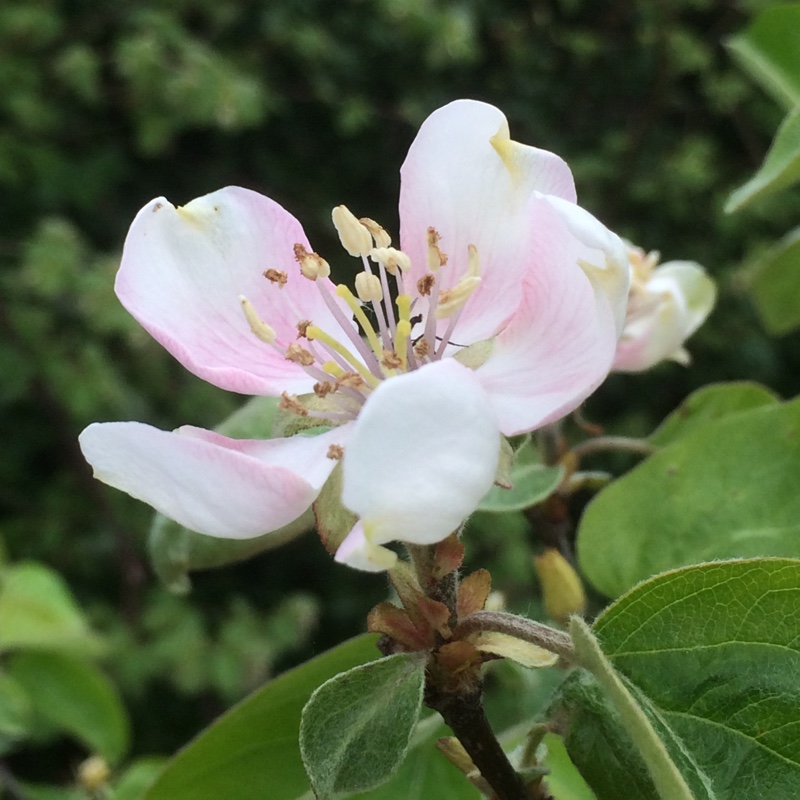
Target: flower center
387 342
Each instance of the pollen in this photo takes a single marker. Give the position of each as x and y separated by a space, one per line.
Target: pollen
276 276
299 355
335 452
291 403
425 284
324 388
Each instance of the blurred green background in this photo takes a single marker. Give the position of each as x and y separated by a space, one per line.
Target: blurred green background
106 105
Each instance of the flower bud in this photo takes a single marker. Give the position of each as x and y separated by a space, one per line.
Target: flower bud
354 236
94 774
665 307
561 586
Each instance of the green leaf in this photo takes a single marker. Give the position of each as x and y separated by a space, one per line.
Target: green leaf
175 550
426 773
138 778
726 490
776 285
15 711
356 728
709 404
35 791
768 49
252 752
531 483
711 654
75 696
37 611
564 782
781 167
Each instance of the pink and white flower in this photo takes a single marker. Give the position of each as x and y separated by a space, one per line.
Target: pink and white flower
666 305
508 302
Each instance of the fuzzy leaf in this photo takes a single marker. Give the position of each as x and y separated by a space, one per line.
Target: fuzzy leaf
356 728
711 654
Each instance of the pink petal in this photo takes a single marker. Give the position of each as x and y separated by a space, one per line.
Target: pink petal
184 269
560 344
464 177
234 489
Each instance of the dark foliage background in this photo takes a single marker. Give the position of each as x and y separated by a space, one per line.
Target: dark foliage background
105 105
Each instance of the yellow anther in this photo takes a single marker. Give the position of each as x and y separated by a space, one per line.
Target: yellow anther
313 332
368 288
359 314
382 239
436 258
401 340
354 236
391 259
452 300
312 265
260 328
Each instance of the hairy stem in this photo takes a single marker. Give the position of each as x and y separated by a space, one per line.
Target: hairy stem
465 716
527 630
602 444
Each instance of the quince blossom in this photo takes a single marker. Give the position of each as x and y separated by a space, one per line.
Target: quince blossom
666 305
500 313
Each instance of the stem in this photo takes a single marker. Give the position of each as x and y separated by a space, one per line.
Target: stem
527 630
465 716
668 780
601 444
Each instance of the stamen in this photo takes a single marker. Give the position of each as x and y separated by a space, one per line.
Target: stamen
401 341
430 320
388 303
368 288
379 234
372 337
276 276
376 304
313 332
324 388
354 236
436 258
347 326
452 300
404 310
257 325
391 258
312 266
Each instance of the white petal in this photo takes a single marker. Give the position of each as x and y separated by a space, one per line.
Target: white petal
422 455
358 552
234 489
182 274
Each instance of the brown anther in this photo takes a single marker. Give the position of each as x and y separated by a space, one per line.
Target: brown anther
335 452
436 258
422 348
299 355
291 403
276 276
391 360
324 388
312 265
351 380
425 284
302 327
